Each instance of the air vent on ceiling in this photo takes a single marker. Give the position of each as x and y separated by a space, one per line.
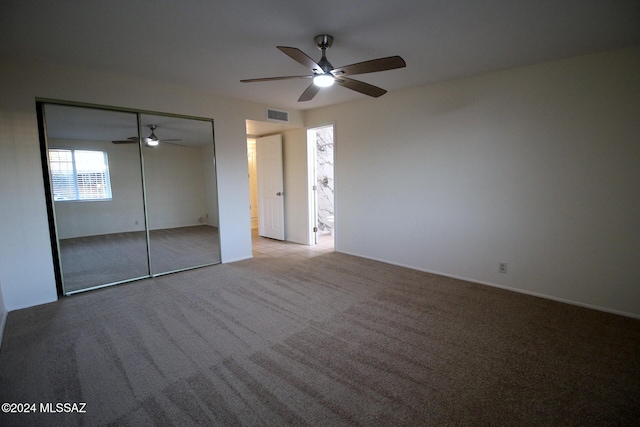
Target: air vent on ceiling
277 115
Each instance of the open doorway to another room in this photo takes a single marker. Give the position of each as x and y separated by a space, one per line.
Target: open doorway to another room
308 158
320 147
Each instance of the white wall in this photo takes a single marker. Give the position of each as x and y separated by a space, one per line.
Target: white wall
26 267
175 183
538 167
208 165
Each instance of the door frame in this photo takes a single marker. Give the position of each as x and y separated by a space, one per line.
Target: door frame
312 193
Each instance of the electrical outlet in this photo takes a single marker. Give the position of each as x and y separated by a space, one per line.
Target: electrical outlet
502 267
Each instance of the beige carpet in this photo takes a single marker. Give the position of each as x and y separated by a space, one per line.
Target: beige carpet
331 340
110 258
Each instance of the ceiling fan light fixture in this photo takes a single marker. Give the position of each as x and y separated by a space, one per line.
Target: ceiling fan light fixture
323 80
152 140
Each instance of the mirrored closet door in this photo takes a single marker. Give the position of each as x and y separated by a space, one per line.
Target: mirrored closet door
180 193
131 195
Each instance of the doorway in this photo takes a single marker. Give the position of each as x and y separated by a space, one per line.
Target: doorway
308 171
266 186
320 157
269 166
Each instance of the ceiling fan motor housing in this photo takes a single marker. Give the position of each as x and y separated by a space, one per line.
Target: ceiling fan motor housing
323 41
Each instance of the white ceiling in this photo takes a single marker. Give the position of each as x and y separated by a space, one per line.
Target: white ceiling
210 45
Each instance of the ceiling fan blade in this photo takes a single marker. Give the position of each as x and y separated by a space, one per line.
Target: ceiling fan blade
301 57
372 66
361 87
309 93
268 79
130 140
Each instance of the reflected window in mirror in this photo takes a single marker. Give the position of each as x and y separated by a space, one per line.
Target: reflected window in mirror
79 175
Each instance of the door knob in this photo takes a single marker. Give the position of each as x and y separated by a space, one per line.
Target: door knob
279 193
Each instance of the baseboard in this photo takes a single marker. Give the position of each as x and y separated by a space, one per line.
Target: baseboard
495 285
227 261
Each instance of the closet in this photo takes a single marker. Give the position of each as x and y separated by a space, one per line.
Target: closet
130 194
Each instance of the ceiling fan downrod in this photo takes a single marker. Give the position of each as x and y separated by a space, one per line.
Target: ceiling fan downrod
324 42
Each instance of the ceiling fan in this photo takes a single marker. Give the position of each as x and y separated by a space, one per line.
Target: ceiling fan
150 141
324 74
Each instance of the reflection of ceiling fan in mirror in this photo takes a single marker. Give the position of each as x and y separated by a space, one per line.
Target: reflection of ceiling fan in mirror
150 141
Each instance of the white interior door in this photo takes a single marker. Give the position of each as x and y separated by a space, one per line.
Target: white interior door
270 187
